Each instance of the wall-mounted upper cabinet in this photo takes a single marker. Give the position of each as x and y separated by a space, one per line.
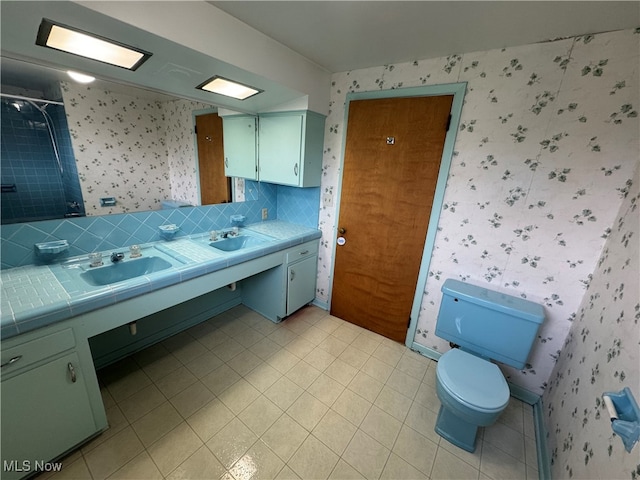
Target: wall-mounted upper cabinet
239 135
286 150
290 148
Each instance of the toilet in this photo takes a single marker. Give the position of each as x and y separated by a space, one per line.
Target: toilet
485 326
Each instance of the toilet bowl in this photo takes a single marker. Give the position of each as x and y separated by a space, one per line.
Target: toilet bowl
487 326
472 392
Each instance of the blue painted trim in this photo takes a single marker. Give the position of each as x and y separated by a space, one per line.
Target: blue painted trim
426 351
424 91
320 304
542 448
457 90
523 394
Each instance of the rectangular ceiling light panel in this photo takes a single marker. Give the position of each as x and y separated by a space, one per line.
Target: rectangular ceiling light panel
77 42
229 88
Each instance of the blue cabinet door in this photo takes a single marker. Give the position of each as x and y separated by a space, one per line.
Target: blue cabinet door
45 412
240 151
280 154
290 148
301 280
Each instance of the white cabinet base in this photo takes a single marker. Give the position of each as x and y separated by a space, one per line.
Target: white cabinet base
280 291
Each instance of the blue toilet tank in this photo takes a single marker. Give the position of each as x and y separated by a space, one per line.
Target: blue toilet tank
488 323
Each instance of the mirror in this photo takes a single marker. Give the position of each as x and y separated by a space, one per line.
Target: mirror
95 143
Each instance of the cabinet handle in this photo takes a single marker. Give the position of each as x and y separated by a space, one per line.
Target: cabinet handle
226 162
304 252
295 169
72 371
292 276
11 361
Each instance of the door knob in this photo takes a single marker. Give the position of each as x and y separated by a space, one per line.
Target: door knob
342 231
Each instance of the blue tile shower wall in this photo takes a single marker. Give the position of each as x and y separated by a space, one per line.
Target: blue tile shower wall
28 162
104 233
70 180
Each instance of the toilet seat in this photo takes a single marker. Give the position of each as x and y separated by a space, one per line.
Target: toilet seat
476 383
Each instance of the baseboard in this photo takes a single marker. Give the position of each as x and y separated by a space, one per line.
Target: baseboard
321 304
542 448
523 394
426 351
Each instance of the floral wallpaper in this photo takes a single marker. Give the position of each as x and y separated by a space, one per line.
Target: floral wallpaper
545 152
601 354
181 147
127 146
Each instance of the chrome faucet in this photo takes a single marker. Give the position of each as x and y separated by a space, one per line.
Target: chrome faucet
117 257
228 233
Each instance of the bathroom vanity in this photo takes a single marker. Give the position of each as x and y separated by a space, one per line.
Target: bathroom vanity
51 399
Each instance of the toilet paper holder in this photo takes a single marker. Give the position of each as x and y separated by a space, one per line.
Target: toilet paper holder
625 416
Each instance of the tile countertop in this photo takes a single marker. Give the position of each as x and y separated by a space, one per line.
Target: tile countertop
34 296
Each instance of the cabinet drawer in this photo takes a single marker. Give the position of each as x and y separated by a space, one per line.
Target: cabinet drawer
30 352
301 252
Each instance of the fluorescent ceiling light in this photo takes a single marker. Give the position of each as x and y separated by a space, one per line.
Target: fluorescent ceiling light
77 42
80 77
229 88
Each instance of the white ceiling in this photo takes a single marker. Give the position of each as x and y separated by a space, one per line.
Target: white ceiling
173 68
191 40
348 35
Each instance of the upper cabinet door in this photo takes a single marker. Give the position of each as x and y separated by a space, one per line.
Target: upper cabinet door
240 152
290 148
279 149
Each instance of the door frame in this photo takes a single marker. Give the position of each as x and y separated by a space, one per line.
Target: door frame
458 91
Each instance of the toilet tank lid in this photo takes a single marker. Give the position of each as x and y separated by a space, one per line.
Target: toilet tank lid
515 306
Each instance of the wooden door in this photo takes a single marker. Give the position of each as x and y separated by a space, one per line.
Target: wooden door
215 187
392 157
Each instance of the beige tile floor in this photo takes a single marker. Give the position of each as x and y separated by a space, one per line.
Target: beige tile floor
313 397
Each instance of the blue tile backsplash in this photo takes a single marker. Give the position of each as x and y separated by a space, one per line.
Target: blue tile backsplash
100 233
299 205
